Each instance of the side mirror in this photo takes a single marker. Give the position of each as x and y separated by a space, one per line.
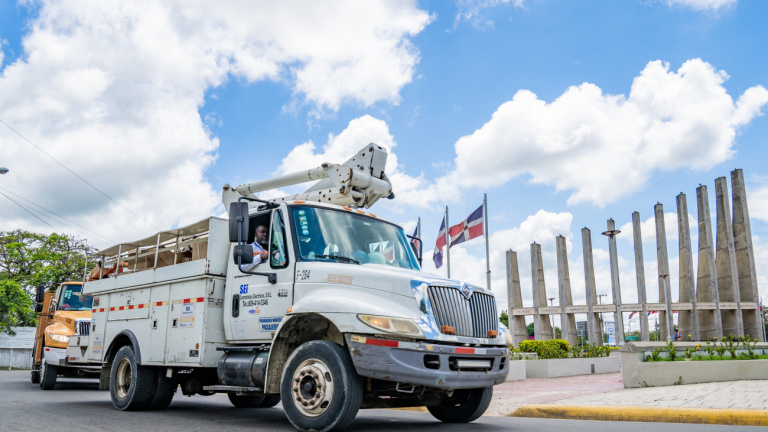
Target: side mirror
39 307
40 294
243 254
238 222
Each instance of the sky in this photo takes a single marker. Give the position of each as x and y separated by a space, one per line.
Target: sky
126 118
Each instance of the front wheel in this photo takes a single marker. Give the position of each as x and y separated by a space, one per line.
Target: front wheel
463 406
320 388
130 385
48 374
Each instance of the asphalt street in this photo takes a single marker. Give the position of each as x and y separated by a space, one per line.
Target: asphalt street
79 405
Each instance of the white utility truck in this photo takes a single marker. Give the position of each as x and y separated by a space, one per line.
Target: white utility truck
337 316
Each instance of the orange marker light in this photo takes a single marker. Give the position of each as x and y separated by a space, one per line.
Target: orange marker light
289 309
448 330
493 333
298 202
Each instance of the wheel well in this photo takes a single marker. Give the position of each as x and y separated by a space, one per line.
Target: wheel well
299 329
121 340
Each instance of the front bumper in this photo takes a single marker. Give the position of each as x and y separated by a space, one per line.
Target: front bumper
58 357
421 363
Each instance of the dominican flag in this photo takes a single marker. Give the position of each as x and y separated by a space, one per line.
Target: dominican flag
467 229
415 241
437 256
632 314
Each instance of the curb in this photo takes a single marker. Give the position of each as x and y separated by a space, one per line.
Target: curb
732 417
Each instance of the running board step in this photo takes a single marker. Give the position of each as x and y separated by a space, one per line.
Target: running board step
227 389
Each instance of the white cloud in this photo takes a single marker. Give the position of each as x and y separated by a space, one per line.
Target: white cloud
603 147
710 5
112 90
472 11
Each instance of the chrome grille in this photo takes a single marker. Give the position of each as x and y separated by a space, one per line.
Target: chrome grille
473 317
82 327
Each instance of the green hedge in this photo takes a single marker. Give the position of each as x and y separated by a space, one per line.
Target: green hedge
547 349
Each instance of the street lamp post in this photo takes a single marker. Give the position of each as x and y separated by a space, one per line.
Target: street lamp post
600 315
554 336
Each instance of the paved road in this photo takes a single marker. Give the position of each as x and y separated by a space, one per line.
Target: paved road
79 405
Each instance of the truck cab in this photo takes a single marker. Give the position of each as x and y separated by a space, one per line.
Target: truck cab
65 313
344 276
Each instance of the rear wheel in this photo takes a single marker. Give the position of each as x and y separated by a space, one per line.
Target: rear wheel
48 374
130 385
164 390
320 388
245 401
270 401
463 406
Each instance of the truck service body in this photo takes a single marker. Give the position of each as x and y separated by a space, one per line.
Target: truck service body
338 317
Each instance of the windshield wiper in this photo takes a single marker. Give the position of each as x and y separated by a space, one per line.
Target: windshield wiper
339 258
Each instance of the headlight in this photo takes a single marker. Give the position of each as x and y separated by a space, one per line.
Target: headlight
60 338
392 325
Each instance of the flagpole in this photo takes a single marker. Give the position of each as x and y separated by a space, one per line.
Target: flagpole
487 249
418 235
447 244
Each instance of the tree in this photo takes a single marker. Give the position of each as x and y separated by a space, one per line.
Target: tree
504 318
531 332
28 259
15 307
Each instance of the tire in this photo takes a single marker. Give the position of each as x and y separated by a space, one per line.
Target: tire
130 385
270 401
245 401
48 374
463 406
163 391
320 372
35 377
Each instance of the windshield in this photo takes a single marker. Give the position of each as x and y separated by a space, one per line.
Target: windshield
342 236
73 300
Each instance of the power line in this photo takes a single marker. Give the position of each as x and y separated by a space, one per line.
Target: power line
59 216
27 210
76 175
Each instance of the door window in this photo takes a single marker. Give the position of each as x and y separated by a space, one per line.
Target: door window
277 253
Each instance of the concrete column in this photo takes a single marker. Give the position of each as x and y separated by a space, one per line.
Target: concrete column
710 321
745 257
618 316
594 328
542 327
515 300
666 321
640 274
688 320
567 321
725 261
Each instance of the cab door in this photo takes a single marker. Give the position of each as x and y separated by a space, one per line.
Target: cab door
256 306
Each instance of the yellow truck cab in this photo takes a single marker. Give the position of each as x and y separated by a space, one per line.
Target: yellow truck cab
65 312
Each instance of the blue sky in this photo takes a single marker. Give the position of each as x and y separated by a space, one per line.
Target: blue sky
565 113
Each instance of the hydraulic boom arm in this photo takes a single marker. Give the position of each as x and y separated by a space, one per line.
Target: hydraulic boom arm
358 182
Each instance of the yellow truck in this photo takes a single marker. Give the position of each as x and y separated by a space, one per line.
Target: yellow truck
65 312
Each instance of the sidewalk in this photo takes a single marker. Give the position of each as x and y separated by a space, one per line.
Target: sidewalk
603 397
